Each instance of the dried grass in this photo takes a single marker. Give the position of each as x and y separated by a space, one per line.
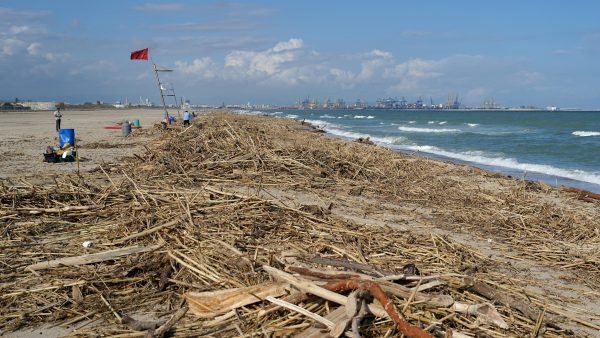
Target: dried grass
176 195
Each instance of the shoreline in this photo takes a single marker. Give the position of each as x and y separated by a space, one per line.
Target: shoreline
554 180
233 193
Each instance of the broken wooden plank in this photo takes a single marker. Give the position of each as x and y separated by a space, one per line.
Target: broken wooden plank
212 303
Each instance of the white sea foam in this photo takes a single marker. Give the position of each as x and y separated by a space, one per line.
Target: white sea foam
412 122
370 117
334 130
428 130
586 133
443 122
486 159
327 116
360 117
478 157
291 116
321 123
277 113
430 122
472 125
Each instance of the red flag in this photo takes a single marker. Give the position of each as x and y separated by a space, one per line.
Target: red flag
141 54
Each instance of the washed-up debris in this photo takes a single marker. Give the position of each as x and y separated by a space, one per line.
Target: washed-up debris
190 224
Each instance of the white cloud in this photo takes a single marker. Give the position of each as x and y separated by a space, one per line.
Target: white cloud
10 46
286 63
344 77
417 69
373 66
34 48
19 29
377 72
257 65
205 67
288 45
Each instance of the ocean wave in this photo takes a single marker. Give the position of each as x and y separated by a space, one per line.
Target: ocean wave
412 122
383 140
360 116
334 130
370 117
430 122
472 125
474 156
327 116
443 122
321 124
291 116
428 130
586 133
277 113
486 159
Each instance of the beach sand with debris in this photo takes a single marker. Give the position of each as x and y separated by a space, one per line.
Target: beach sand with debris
25 136
196 227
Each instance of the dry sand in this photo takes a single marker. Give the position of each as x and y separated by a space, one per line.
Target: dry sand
24 137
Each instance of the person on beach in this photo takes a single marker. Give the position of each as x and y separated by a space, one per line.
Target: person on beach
186 118
57 117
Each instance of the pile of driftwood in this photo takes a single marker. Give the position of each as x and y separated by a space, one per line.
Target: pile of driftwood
180 241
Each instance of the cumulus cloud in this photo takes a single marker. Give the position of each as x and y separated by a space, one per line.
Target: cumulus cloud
204 67
34 48
11 46
412 72
290 64
286 63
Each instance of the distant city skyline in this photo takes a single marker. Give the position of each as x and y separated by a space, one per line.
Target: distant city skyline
517 53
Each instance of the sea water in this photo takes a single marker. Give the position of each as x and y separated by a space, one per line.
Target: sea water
558 147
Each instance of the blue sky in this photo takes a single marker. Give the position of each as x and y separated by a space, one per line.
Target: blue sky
516 52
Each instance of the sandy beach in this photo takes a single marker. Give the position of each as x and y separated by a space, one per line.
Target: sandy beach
230 201
25 136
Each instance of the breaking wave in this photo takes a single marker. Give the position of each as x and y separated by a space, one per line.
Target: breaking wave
334 130
480 158
428 130
586 133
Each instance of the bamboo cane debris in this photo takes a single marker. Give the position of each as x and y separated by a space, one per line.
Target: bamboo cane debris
91 258
227 185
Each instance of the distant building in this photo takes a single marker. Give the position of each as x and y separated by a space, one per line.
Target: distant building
41 105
